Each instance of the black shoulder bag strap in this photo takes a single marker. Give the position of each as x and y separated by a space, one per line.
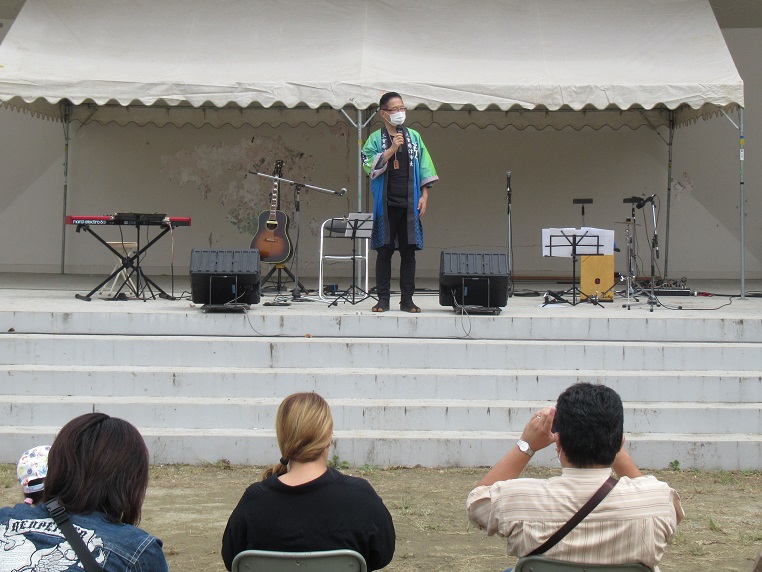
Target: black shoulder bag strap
61 518
586 509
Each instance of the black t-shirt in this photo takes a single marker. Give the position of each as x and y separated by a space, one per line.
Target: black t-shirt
397 187
332 512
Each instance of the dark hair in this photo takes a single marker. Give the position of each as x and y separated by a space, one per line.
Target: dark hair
589 421
386 97
99 463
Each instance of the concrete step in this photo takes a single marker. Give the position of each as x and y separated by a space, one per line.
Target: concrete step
404 383
370 414
183 351
408 448
554 323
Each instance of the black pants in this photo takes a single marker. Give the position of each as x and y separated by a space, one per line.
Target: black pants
397 218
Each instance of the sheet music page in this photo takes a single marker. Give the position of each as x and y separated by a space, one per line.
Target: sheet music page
363 222
590 241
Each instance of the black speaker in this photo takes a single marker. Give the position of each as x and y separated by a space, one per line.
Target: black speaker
220 277
473 279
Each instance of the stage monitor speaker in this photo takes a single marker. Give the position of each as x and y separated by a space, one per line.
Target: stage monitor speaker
473 279
224 277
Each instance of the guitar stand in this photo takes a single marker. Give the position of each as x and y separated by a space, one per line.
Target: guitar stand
279 281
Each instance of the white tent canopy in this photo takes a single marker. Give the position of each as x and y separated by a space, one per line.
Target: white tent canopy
520 63
528 62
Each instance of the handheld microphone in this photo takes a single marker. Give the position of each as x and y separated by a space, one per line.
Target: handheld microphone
508 186
643 202
342 192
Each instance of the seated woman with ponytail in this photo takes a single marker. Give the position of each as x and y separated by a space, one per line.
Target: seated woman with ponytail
302 505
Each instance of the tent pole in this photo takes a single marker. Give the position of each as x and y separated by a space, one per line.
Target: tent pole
669 190
359 125
359 159
742 201
66 123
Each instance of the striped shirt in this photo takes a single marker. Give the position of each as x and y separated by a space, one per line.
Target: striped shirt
632 524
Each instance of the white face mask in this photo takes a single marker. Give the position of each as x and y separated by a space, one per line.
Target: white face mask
397 118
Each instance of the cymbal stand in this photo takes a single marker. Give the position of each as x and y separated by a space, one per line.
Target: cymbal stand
630 268
631 257
652 299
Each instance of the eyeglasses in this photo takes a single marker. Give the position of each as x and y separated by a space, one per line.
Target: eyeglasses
394 109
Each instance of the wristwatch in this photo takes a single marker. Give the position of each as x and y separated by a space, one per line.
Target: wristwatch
524 447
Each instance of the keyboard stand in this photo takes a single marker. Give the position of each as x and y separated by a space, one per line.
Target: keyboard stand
129 264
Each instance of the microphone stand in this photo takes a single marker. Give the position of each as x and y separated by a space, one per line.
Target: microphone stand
631 261
510 235
298 186
652 301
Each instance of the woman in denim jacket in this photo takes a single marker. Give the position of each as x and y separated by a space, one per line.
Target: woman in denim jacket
98 471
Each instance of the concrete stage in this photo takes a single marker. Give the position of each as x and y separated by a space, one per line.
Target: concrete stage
436 389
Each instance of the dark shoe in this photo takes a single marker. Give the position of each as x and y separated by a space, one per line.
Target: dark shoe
381 306
409 307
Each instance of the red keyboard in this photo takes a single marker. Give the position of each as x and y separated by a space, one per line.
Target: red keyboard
127 221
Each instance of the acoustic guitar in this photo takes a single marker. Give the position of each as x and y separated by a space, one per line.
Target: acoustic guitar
271 238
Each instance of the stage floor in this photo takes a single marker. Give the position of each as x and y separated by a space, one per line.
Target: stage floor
436 388
56 293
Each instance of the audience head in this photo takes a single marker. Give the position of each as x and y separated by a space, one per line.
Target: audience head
589 424
31 471
304 427
99 463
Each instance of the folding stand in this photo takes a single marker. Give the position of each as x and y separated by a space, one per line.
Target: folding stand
572 242
654 251
359 226
652 299
129 264
281 267
631 254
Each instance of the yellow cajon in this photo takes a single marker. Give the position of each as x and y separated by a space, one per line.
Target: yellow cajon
596 276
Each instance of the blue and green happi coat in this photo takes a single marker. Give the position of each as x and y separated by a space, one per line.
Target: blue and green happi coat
421 172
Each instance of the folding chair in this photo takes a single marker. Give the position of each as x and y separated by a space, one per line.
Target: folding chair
127 249
322 561
330 230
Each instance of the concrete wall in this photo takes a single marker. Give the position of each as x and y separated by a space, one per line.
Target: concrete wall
202 173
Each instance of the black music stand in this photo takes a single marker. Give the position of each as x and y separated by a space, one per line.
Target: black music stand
359 226
575 242
130 264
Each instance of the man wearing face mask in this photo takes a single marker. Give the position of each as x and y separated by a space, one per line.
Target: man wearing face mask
401 173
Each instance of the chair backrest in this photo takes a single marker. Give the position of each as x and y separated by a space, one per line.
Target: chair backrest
542 564
335 227
322 561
